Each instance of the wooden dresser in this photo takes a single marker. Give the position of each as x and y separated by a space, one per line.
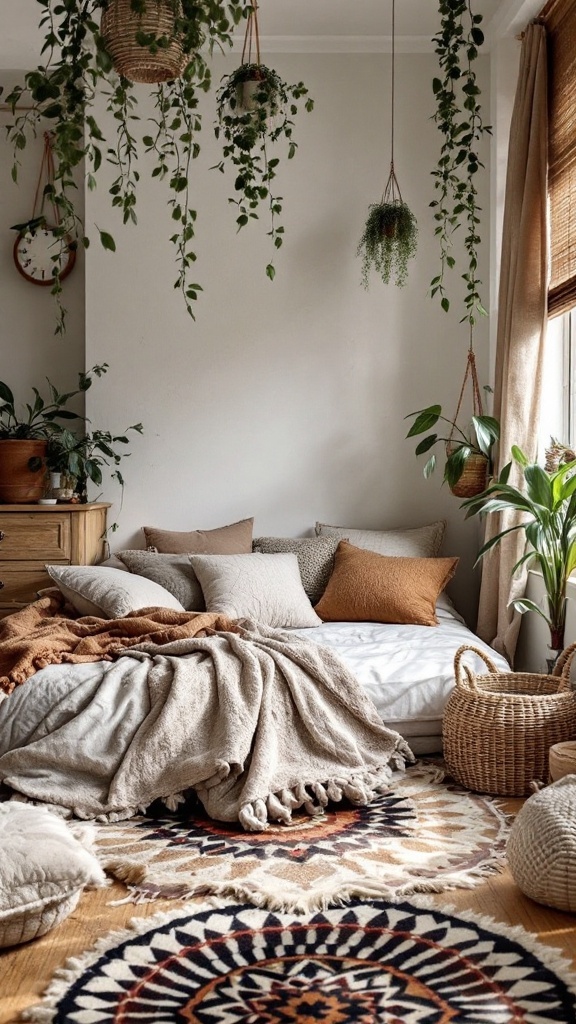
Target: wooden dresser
33 535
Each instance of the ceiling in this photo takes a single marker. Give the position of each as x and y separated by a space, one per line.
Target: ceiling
305 25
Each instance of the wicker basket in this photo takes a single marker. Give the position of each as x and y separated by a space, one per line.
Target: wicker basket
474 477
562 760
119 26
498 728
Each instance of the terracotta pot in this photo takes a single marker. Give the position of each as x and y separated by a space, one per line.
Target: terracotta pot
18 483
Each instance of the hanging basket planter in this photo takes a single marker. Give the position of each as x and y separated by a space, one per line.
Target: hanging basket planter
144 47
474 477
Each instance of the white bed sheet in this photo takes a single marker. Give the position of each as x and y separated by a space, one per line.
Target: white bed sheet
408 671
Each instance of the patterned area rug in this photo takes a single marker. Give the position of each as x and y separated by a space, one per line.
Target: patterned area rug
370 962
425 835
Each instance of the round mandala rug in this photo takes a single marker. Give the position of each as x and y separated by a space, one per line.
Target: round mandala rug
369 962
426 834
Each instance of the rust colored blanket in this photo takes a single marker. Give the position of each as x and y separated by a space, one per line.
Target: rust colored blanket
47 633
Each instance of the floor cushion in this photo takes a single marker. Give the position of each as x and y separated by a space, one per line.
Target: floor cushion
43 870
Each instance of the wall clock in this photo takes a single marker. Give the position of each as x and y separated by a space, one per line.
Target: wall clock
40 255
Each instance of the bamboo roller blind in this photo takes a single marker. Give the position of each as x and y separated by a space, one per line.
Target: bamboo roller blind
559 17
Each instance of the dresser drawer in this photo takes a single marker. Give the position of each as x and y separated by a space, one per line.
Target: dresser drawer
34 537
20 582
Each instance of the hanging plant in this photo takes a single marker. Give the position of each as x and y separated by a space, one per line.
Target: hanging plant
389 241
79 55
255 108
390 234
459 119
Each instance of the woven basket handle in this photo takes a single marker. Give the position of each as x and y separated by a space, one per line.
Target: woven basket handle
463 675
563 666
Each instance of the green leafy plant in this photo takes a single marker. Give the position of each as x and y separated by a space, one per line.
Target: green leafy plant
40 418
546 503
82 457
459 118
388 242
459 445
62 91
255 109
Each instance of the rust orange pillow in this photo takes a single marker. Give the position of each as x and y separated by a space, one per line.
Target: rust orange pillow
367 587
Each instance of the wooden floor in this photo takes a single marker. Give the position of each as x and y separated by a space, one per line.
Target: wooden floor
26 970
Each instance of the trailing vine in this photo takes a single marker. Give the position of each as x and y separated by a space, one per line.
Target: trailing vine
61 94
248 127
458 117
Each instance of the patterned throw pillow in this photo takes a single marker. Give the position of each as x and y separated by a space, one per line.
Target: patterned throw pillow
315 558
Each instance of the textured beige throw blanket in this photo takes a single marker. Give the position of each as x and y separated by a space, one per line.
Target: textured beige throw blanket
258 722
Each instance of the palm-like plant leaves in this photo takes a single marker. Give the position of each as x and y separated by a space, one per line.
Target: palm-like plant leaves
547 504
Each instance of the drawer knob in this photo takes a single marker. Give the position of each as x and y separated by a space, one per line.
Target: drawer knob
1 584
2 534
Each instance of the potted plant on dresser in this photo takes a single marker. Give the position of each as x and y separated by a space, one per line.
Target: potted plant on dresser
37 440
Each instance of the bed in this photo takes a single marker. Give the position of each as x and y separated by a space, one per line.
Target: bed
317 667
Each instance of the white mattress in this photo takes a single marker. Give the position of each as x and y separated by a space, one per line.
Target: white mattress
408 671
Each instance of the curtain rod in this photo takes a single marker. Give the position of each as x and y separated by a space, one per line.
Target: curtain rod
8 108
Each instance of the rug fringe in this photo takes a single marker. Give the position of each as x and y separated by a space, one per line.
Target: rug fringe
171 887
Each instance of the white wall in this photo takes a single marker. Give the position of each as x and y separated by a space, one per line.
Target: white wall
285 400
30 350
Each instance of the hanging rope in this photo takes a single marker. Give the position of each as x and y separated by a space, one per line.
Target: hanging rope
252 34
470 374
46 175
392 192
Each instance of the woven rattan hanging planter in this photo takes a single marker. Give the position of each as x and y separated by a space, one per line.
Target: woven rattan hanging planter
160 61
474 476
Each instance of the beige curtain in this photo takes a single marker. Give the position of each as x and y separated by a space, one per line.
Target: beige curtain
522 316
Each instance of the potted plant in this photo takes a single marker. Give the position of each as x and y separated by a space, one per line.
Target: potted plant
546 503
255 108
24 436
468 452
37 439
77 458
389 241
77 66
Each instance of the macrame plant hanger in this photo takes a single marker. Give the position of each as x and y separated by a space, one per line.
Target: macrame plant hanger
251 36
473 478
45 178
392 192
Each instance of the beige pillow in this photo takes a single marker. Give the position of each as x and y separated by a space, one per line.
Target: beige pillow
265 588
109 593
235 539
43 870
367 587
420 542
173 572
315 558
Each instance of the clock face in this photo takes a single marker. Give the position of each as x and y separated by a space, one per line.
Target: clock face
34 253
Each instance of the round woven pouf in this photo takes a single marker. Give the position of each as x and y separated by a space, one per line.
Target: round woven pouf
541 848
562 760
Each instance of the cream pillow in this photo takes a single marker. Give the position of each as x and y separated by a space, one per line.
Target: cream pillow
315 558
367 587
262 587
43 870
109 593
420 542
226 540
